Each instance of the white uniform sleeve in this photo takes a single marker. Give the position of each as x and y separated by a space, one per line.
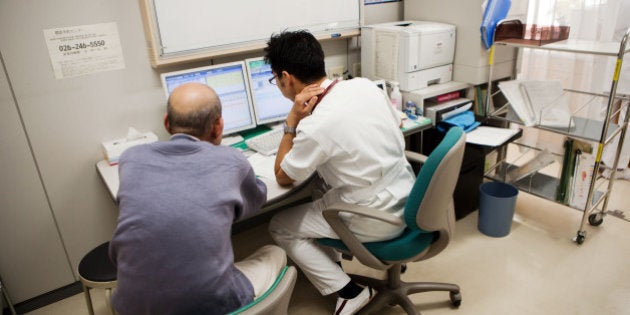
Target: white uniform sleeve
303 158
394 112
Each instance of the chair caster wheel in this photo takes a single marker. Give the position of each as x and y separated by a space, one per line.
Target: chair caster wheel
456 299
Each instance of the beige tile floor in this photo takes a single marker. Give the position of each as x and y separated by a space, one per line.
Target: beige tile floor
536 269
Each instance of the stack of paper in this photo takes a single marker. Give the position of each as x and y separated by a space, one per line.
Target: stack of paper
490 136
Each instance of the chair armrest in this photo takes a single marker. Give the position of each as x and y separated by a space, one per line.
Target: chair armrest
276 299
348 238
365 212
415 157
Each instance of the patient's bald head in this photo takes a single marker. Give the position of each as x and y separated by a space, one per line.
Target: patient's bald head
195 109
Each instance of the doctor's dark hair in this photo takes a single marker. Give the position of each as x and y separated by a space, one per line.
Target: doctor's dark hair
298 53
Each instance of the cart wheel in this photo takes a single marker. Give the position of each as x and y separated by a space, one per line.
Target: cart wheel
595 219
580 238
456 298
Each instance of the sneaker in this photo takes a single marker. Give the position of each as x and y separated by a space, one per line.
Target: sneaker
351 306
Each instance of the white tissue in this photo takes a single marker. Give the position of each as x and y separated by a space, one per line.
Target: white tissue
133 134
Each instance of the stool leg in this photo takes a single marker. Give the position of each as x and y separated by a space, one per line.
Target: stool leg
88 299
6 297
108 301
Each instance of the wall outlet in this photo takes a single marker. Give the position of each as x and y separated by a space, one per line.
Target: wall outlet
335 73
356 69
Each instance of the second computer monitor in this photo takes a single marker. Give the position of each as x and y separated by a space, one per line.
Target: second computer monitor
230 82
269 103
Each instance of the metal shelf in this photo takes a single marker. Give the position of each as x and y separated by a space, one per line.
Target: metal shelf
581 126
572 46
537 184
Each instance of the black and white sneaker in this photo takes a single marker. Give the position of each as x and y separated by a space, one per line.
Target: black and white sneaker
351 306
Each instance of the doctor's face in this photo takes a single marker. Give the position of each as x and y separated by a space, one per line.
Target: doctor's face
282 82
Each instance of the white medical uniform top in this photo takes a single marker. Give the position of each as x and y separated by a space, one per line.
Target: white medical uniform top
354 142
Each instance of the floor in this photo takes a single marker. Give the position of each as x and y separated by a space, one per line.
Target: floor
536 269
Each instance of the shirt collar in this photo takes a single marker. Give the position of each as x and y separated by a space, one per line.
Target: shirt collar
326 83
183 136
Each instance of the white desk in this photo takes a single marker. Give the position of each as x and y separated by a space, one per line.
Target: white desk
277 196
410 127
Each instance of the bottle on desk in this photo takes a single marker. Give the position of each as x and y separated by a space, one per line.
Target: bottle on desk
410 110
396 96
411 107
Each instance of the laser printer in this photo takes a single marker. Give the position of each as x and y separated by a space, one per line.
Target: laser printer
414 53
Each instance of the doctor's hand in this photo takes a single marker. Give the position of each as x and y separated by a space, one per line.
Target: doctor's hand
303 104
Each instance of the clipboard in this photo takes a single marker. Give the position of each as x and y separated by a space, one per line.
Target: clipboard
496 10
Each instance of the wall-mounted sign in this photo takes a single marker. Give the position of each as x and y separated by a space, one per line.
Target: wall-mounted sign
85 49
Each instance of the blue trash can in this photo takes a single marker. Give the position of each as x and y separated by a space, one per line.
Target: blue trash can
496 208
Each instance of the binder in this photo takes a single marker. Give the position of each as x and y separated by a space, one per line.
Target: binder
496 10
584 164
572 148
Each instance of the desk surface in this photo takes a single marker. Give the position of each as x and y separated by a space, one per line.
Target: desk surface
109 174
263 166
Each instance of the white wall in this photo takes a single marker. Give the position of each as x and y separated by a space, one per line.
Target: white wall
32 257
470 64
383 12
65 121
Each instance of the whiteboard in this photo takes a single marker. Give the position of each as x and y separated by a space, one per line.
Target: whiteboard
189 27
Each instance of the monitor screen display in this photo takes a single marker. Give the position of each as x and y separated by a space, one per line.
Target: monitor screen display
229 80
269 103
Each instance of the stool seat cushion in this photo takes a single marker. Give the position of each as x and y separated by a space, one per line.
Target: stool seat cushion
96 265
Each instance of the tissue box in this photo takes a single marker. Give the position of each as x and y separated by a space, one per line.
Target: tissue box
113 149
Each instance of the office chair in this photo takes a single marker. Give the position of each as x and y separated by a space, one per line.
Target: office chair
429 216
276 300
96 270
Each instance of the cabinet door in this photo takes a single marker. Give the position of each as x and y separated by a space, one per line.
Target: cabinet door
32 257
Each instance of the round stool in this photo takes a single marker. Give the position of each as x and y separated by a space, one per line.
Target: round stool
96 270
6 297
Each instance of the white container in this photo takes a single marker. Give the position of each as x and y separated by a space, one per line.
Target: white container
395 96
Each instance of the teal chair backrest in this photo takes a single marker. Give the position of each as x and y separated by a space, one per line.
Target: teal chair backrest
426 176
429 212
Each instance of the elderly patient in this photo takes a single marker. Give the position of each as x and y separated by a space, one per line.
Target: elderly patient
178 200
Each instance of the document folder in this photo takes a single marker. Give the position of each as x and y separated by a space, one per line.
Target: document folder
496 10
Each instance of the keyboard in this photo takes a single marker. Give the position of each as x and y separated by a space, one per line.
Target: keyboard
266 143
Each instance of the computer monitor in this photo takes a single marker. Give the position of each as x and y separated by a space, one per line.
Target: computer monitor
269 103
230 82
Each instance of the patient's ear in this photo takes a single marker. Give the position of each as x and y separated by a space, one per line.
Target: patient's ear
217 132
167 126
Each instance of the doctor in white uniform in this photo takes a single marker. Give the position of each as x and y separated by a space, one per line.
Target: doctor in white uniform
347 132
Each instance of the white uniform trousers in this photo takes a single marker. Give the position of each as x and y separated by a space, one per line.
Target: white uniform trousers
296 230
